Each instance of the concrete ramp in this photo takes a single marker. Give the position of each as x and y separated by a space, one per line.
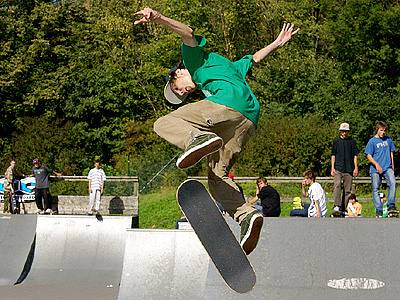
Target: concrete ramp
76 257
164 264
16 237
297 258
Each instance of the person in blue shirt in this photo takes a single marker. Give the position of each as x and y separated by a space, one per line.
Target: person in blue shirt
379 152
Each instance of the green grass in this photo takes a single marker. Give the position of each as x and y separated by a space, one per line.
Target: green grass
160 209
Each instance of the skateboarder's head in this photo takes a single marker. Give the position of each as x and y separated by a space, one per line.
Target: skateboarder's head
179 84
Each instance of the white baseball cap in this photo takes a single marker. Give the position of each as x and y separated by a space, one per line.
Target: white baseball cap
344 127
170 95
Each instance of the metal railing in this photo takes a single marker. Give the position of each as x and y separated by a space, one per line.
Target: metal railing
361 180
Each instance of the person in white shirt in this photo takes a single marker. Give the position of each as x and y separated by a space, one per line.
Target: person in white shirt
316 194
96 179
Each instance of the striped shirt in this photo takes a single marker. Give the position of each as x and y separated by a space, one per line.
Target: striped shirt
316 192
97 177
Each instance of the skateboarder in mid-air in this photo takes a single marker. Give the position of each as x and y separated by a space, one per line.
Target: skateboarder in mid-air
218 126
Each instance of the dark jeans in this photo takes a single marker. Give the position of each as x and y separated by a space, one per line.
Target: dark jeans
43 199
300 212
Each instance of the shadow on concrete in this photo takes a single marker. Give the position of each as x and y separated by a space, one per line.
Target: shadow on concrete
116 206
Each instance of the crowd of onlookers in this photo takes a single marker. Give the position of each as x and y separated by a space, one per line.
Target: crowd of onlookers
344 166
41 174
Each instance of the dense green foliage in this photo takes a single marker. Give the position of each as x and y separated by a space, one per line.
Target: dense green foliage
79 80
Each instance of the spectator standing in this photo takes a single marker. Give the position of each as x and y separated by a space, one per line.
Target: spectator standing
269 198
42 193
96 179
315 193
379 152
344 165
8 187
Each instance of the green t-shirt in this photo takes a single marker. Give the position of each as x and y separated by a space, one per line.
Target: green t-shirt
221 80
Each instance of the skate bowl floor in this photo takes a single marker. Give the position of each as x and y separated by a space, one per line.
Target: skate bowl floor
296 258
75 257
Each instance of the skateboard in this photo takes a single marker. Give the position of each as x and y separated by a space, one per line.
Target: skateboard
215 235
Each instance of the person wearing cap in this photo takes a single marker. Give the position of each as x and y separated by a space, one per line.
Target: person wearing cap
379 152
218 126
344 165
42 193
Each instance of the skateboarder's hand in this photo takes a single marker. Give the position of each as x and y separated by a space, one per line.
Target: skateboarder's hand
147 14
286 34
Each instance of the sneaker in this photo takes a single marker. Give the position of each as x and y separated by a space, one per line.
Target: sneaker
393 212
39 212
250 231
200 147
336 212
48 211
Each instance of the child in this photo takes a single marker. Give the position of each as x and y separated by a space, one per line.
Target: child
316 194
354 208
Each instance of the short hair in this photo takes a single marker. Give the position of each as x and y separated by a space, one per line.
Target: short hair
380 124
309 174
172 72
261 179
353 196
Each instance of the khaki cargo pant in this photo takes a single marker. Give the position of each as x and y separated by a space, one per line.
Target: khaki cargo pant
182 125
6 201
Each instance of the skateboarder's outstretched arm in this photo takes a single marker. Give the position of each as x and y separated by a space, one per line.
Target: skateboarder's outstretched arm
150 15
284 36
